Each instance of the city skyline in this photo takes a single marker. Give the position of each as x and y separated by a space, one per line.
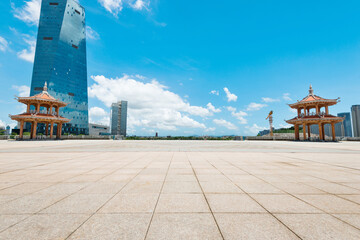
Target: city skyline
218 71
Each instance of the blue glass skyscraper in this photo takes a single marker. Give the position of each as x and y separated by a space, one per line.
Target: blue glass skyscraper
346 125
60 60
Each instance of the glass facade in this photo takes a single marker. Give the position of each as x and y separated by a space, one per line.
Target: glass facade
345 126
60 60
355 112
118 120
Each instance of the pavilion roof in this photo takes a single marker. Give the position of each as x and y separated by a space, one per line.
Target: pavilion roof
311 98
40 117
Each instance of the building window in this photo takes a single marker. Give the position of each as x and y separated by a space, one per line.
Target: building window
38 89
77 11
54 3
74 46
48 38
71 94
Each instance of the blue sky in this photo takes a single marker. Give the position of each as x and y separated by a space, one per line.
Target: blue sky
198 67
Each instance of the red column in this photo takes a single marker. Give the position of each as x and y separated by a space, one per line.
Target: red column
21 130
333 131
304 131
34 130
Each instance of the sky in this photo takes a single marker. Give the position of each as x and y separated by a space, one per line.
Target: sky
197 67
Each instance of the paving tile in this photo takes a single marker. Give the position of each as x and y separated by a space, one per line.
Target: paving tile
183 226
318 226
233 203
131 203
298 188
181 178
142 187
259 188
181 187
352 219
252 226
43 226
331 203
9 220
25 188
103 188
284 204
353 198
335 188
113 226
79 203
219 187
173 203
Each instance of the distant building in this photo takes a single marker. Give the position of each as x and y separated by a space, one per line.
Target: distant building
355 112
118 116
97 129
60 60
344 129
8 130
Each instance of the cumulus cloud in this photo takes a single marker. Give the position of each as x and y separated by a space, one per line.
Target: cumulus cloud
286 97
116 6
214 92
230 96
270 100
254 129
211 129
97 112
212 108
23 91
255 106
91 33
151 104
98 115
2 124
4 45
240 115
140 4
29 12
29 53
224 123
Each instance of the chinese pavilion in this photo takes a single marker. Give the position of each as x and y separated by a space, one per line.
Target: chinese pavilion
49 115
306 118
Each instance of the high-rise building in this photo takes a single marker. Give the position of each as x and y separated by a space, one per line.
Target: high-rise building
60 60
344 128
355 112
118 116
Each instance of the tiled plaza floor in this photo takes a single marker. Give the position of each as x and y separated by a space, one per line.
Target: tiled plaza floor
179 190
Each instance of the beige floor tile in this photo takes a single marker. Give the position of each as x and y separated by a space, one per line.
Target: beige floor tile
352 219
181 187
353 198
258 188
219 187
103 188
232 203
113 226
131 203
44 226
331 203
9 220
181 178
284 204
142 187
319 226
25 188
183 226
252 226
298 188
174 203
334 188
79 203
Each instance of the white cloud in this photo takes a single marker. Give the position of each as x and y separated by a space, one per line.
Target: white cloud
285 126
211 129
28 54
212 108
270 100
255 106
293 110
239 115
254 129
4 45
91 33
215 92
97 112
230 96
224 123
24 91
98 115
2 124
151 105
28 13
286 97
112 6
140 4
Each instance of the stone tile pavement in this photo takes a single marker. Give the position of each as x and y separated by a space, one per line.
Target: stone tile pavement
179 190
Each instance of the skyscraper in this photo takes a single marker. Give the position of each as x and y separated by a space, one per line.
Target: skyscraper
355 112
345 126
60 60
118 120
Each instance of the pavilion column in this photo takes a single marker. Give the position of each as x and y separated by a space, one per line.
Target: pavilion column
21 130
299 112
47 129
28 108
321 132
38 108
51 130
57 111
333 131
317 110
59 129
51 108
309 131
305 111
304 131
327 110
34 130
297 135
